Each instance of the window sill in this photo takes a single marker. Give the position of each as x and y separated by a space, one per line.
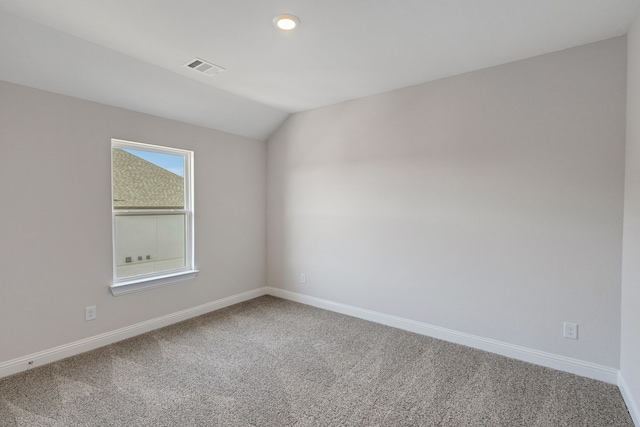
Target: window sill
138 285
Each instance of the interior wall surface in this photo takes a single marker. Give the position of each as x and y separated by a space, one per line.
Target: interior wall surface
489 203
630 337
56 226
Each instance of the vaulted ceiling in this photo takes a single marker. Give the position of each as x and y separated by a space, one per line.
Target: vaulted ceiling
132 53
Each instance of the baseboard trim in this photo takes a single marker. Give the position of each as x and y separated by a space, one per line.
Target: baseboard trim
562 363
632 406
550 360
61 352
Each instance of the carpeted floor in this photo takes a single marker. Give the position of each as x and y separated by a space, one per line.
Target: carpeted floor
271 362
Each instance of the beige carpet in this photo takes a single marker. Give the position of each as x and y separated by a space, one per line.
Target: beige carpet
271 362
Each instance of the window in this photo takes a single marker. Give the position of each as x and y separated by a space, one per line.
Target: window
152 189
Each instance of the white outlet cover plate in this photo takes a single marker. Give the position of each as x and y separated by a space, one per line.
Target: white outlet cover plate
90 313
570 330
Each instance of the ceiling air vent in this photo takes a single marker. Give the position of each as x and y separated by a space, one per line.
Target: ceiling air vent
204 67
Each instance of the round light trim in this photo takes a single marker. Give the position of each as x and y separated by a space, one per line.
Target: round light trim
286 22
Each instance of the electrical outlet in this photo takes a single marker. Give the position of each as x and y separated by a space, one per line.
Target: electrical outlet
303 278
90 313
571 330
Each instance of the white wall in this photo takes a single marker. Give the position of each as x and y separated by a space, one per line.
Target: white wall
630 349
489 203
55 241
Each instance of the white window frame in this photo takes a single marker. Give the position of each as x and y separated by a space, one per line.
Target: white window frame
165 277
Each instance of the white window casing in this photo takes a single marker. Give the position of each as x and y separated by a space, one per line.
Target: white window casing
153 239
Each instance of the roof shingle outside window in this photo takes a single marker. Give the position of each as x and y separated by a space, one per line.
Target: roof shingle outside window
139 184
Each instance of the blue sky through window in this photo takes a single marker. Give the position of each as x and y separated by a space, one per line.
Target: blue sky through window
170 162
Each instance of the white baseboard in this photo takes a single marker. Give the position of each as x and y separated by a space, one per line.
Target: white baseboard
632 406
57 353
550 360
574 366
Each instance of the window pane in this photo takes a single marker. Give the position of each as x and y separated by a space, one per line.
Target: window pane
149 243
153 182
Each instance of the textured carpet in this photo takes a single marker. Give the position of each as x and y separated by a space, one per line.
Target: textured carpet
271 362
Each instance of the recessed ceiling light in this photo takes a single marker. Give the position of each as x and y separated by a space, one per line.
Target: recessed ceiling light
286 22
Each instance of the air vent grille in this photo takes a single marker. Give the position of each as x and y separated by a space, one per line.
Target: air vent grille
204 67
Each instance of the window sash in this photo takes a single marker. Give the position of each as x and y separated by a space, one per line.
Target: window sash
157 258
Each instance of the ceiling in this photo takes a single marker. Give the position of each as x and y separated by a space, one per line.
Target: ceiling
131 53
